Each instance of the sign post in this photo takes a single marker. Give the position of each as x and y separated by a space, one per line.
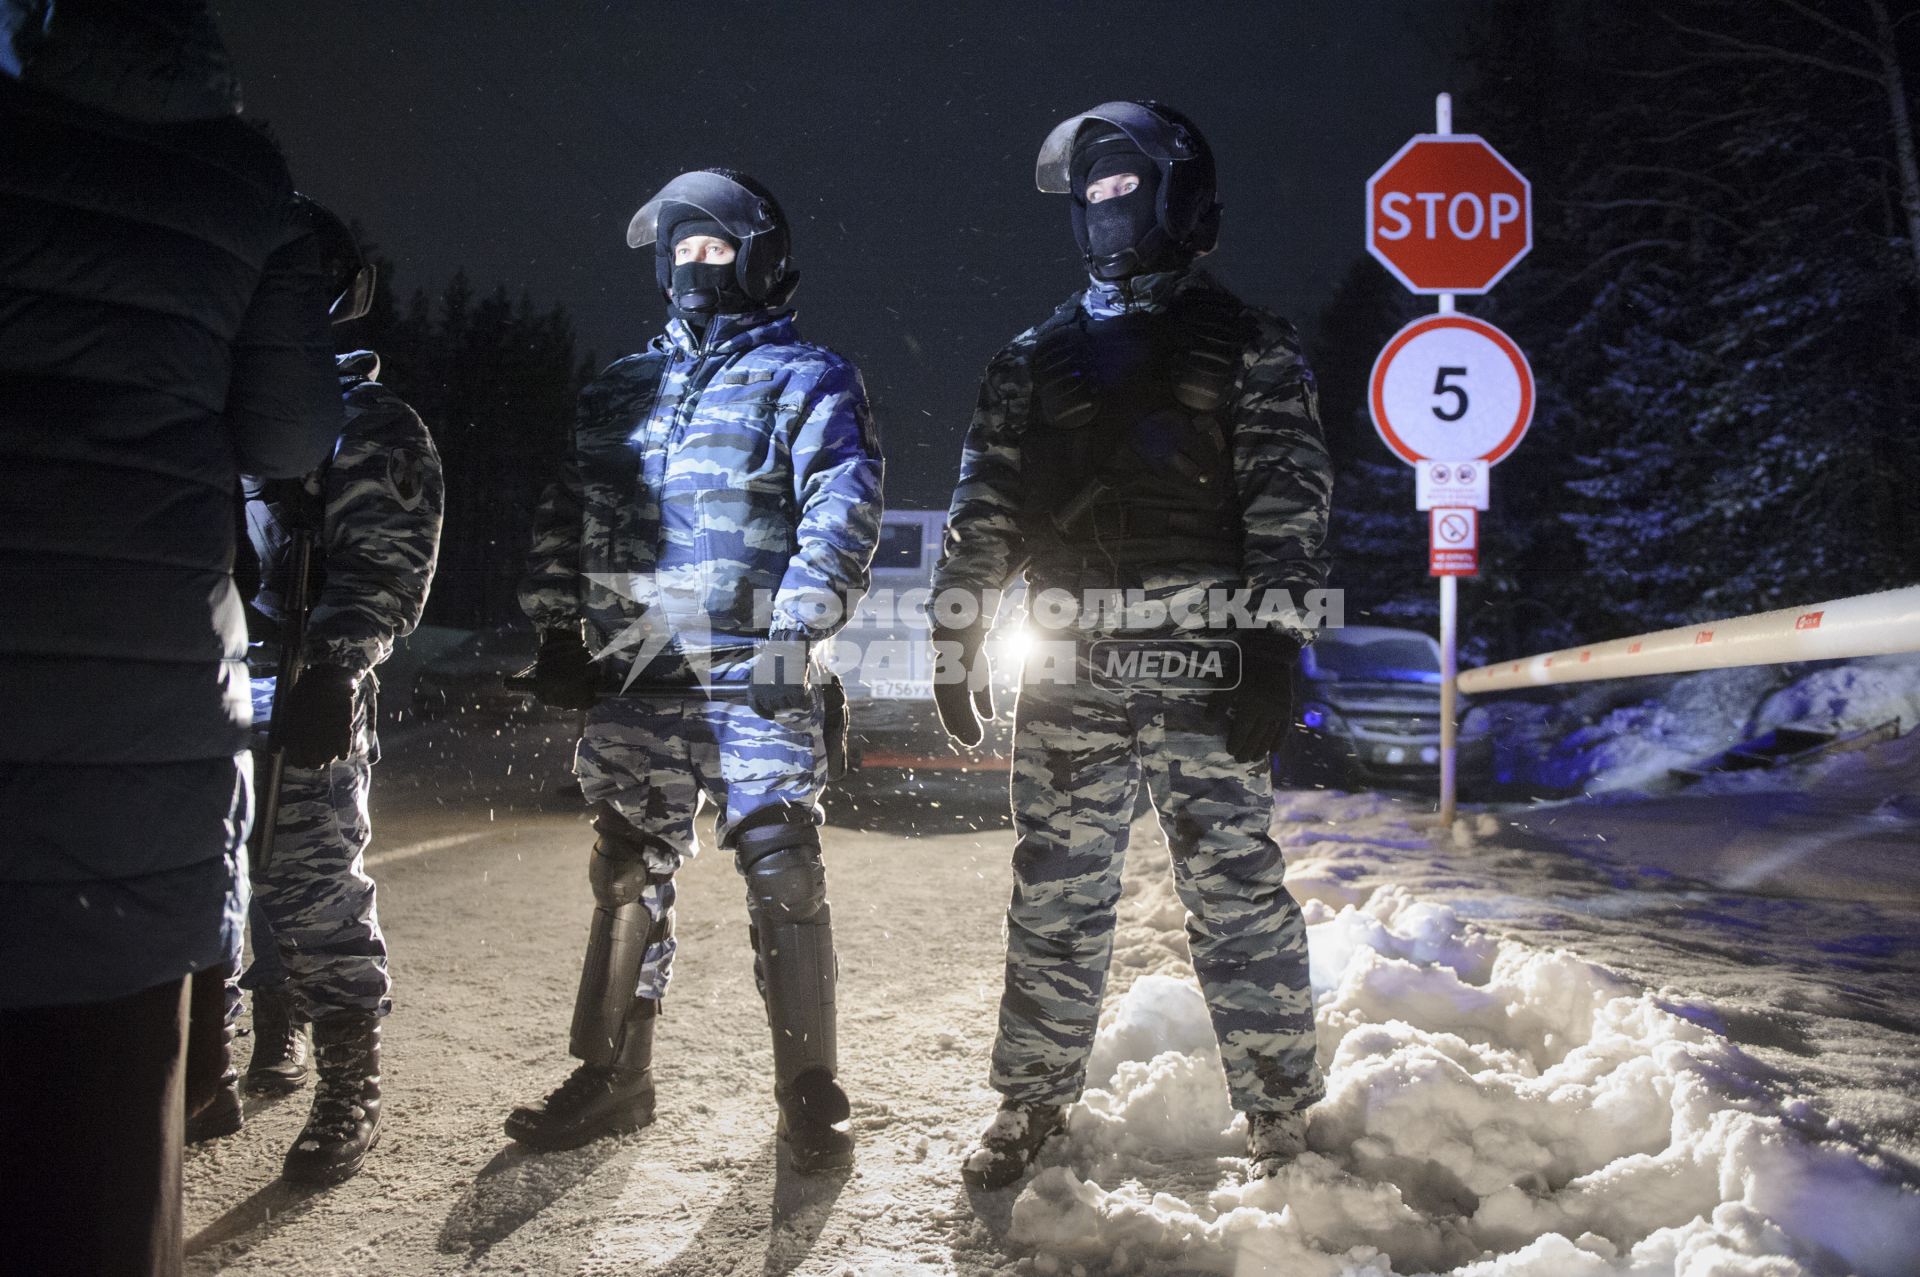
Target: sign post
1451 395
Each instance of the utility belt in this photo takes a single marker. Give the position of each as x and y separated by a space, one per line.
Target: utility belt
836 718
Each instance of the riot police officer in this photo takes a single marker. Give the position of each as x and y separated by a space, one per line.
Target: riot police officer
1155 440
372 513
710 531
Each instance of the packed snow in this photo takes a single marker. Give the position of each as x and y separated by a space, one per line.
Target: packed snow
1494 1109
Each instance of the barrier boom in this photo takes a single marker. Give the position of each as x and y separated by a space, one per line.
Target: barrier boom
1863 625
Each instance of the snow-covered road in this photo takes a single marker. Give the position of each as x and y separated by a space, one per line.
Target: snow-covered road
1498 1104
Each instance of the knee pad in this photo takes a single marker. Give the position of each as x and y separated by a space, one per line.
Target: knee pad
619 872
778 849
789 885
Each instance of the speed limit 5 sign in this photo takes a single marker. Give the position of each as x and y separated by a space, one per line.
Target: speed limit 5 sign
1450 387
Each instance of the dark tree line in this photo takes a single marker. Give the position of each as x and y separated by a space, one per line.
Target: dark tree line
494 378
1722 308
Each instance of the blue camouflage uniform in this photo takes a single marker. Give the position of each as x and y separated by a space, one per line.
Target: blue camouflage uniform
377 505
722 489
1082 749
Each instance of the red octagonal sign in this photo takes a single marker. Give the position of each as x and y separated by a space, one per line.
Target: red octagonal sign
1448 215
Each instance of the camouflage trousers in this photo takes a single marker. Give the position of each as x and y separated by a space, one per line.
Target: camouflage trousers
650 760
313 921
1080 753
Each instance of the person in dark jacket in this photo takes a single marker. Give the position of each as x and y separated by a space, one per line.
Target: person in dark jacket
163 327
319 956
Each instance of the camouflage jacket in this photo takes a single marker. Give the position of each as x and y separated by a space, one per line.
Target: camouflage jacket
721 487
377 504
1282 473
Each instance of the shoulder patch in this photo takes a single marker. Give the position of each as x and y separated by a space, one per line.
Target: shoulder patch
407 475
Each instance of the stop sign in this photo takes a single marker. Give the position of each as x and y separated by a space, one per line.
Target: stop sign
1448 215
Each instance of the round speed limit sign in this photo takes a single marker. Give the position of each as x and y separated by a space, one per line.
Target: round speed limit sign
1451 388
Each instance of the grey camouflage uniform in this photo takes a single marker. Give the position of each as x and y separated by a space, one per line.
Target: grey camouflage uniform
1081 750
723 487
378 502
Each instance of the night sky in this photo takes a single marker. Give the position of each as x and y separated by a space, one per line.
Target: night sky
516 139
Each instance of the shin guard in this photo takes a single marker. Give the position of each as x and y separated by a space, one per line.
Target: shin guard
793 934
629 952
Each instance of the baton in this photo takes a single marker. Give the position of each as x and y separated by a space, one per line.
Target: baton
292 665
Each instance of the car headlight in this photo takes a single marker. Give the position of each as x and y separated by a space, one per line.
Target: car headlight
1318 716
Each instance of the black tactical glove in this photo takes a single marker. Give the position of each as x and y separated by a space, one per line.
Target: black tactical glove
563 674
315 726
962 690
779 677
1259 711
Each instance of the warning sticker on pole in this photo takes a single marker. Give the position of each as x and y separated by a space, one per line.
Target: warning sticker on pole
1453 547
1451 483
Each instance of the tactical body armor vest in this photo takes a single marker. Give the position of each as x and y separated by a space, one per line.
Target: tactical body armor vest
1126 462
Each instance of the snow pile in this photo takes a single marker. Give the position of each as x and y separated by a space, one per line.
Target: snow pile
1635 746
1849 697
1587 741
1492 1109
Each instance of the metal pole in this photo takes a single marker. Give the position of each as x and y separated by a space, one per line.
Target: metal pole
1449 668
1449 588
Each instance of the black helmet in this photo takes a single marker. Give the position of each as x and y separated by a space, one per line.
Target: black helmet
351 274
1187 215
748 213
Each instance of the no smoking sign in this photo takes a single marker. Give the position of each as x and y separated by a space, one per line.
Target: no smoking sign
1453 547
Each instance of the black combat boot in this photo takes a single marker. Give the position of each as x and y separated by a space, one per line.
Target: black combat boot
1274 1140
810 1113
278 1065
219 1116
1011 1142
595 1100
345 1122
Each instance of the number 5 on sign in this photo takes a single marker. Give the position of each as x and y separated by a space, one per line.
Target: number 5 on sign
1451 388
1440 387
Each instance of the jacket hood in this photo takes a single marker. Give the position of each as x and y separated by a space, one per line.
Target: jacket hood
158 60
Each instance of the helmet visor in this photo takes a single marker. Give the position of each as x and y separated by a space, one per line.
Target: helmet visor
1157 139
743 213
357 300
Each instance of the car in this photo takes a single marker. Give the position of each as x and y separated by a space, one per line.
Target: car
886 661
471 678
1369 706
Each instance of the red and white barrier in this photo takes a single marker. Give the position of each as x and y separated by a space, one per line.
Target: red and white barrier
1864 625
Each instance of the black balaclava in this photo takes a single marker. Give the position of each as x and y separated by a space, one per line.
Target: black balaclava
701 290
1121 223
